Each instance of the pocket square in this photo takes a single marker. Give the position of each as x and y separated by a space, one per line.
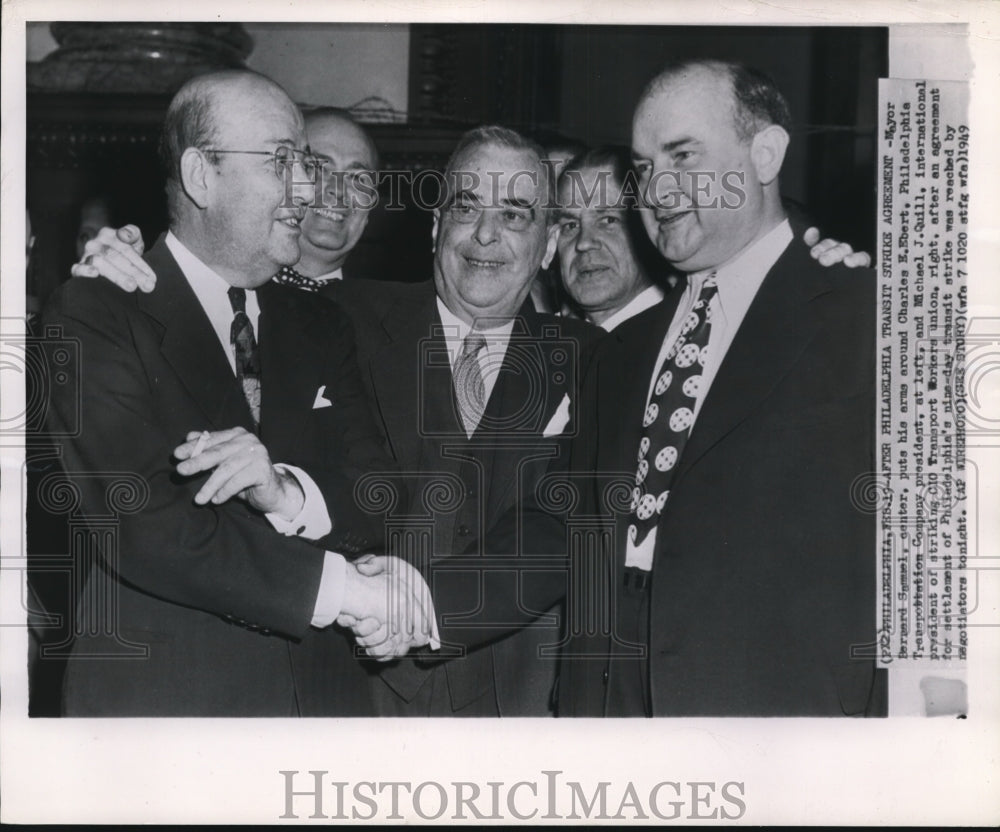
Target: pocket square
557 424
321 399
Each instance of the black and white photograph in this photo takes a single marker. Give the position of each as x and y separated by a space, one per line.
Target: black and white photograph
628 383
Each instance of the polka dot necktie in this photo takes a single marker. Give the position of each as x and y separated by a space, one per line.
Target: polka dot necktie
470 391
669 416
245 346
289 277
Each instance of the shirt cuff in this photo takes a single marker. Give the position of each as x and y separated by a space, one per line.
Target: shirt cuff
330 597
435 639
313 520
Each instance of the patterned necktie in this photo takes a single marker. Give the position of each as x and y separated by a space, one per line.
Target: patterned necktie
289 277
247 358
669 416
470 391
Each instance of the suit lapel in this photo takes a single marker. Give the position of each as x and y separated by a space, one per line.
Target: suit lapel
190 345
509 412
402 385
779 324
288 381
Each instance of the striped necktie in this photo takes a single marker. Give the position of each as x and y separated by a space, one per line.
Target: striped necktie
470 390
247 356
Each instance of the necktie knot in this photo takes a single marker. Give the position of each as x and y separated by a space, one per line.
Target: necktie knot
472 344
709 289
238 300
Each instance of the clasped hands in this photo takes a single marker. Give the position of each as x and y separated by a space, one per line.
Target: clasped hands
386 605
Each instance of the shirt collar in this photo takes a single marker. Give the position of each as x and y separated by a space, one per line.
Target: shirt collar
740 278
650 296
212 292
454 325
336 274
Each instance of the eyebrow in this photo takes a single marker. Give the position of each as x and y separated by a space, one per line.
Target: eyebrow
352 166
518 203
669 147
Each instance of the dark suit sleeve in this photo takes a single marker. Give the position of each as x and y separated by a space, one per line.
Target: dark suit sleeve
221 559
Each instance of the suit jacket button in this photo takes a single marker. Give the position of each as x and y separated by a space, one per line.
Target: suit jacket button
604 677
463 529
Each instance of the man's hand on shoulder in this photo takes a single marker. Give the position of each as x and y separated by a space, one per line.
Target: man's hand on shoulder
117 256
830 252
242 468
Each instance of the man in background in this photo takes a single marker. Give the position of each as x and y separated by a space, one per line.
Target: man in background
345 195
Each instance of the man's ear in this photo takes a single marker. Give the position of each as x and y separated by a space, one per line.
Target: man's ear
551 245
768 152
196 176
435 223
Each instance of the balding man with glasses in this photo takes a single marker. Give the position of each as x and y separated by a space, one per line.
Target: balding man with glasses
217 587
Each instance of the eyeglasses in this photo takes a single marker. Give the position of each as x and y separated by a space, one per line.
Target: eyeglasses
512 217
284 157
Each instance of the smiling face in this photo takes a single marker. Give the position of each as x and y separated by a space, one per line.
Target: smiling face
336 219
597 260
696 173
490 239
249 229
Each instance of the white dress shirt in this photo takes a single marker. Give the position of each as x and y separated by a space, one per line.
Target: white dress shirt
490 357
738 282
650 296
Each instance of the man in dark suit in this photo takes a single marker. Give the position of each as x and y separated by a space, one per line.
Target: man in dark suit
210 594
470 461
741 575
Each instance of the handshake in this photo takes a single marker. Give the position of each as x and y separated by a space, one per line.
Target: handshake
387 604
388 607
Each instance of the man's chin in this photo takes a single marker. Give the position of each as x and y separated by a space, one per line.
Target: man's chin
285 255
679 255
326 240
